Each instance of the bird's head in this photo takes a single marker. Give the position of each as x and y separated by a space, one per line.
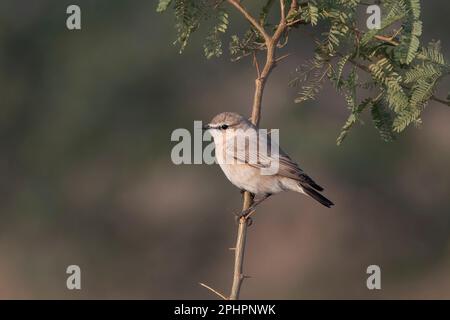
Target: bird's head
225 122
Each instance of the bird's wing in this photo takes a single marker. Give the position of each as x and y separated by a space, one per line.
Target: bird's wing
286 167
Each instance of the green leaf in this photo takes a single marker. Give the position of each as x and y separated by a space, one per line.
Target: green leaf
313 13
352 119
213 44
163 5
382 119
410 42
188 14
346 128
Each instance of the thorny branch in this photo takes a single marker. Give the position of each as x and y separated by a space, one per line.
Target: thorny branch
262 75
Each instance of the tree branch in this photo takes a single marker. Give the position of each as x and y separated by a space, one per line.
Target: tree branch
281 26
238 275
250 18
260 81
294 5
256 64
283 14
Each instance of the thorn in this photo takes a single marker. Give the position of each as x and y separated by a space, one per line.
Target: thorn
283 57
213 290
232 249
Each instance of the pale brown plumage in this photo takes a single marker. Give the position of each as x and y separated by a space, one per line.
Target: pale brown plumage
245 172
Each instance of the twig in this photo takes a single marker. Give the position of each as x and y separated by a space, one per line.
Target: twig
239 251
213 290
387 39
256 64
282 12
396 33
250 18
283 57
298 21
294 6
281 26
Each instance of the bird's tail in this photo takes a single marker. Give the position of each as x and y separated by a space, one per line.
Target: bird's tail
316 196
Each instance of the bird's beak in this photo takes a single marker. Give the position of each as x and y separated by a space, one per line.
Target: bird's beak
206 127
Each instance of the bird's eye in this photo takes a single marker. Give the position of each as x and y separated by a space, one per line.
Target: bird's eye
224 126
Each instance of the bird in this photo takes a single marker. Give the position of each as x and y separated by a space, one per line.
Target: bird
245 170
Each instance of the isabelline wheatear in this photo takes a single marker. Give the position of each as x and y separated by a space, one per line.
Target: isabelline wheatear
244 154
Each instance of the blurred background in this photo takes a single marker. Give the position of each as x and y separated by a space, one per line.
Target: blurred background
86 175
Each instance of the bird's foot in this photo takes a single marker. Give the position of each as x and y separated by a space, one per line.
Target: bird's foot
248 220
245 214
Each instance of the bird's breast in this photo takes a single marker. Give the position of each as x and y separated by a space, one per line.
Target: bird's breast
242 176
245 176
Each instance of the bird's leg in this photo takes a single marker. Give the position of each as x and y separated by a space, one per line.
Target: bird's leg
239 215
246 213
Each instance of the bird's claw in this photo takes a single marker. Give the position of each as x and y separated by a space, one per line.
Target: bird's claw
245 214
248 220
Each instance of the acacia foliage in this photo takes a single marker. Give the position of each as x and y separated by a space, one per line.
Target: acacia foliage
385 72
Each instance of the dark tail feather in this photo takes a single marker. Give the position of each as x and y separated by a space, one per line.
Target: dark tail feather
305 179
315 186
317 196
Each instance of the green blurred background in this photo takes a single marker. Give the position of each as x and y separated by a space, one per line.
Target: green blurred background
87 179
